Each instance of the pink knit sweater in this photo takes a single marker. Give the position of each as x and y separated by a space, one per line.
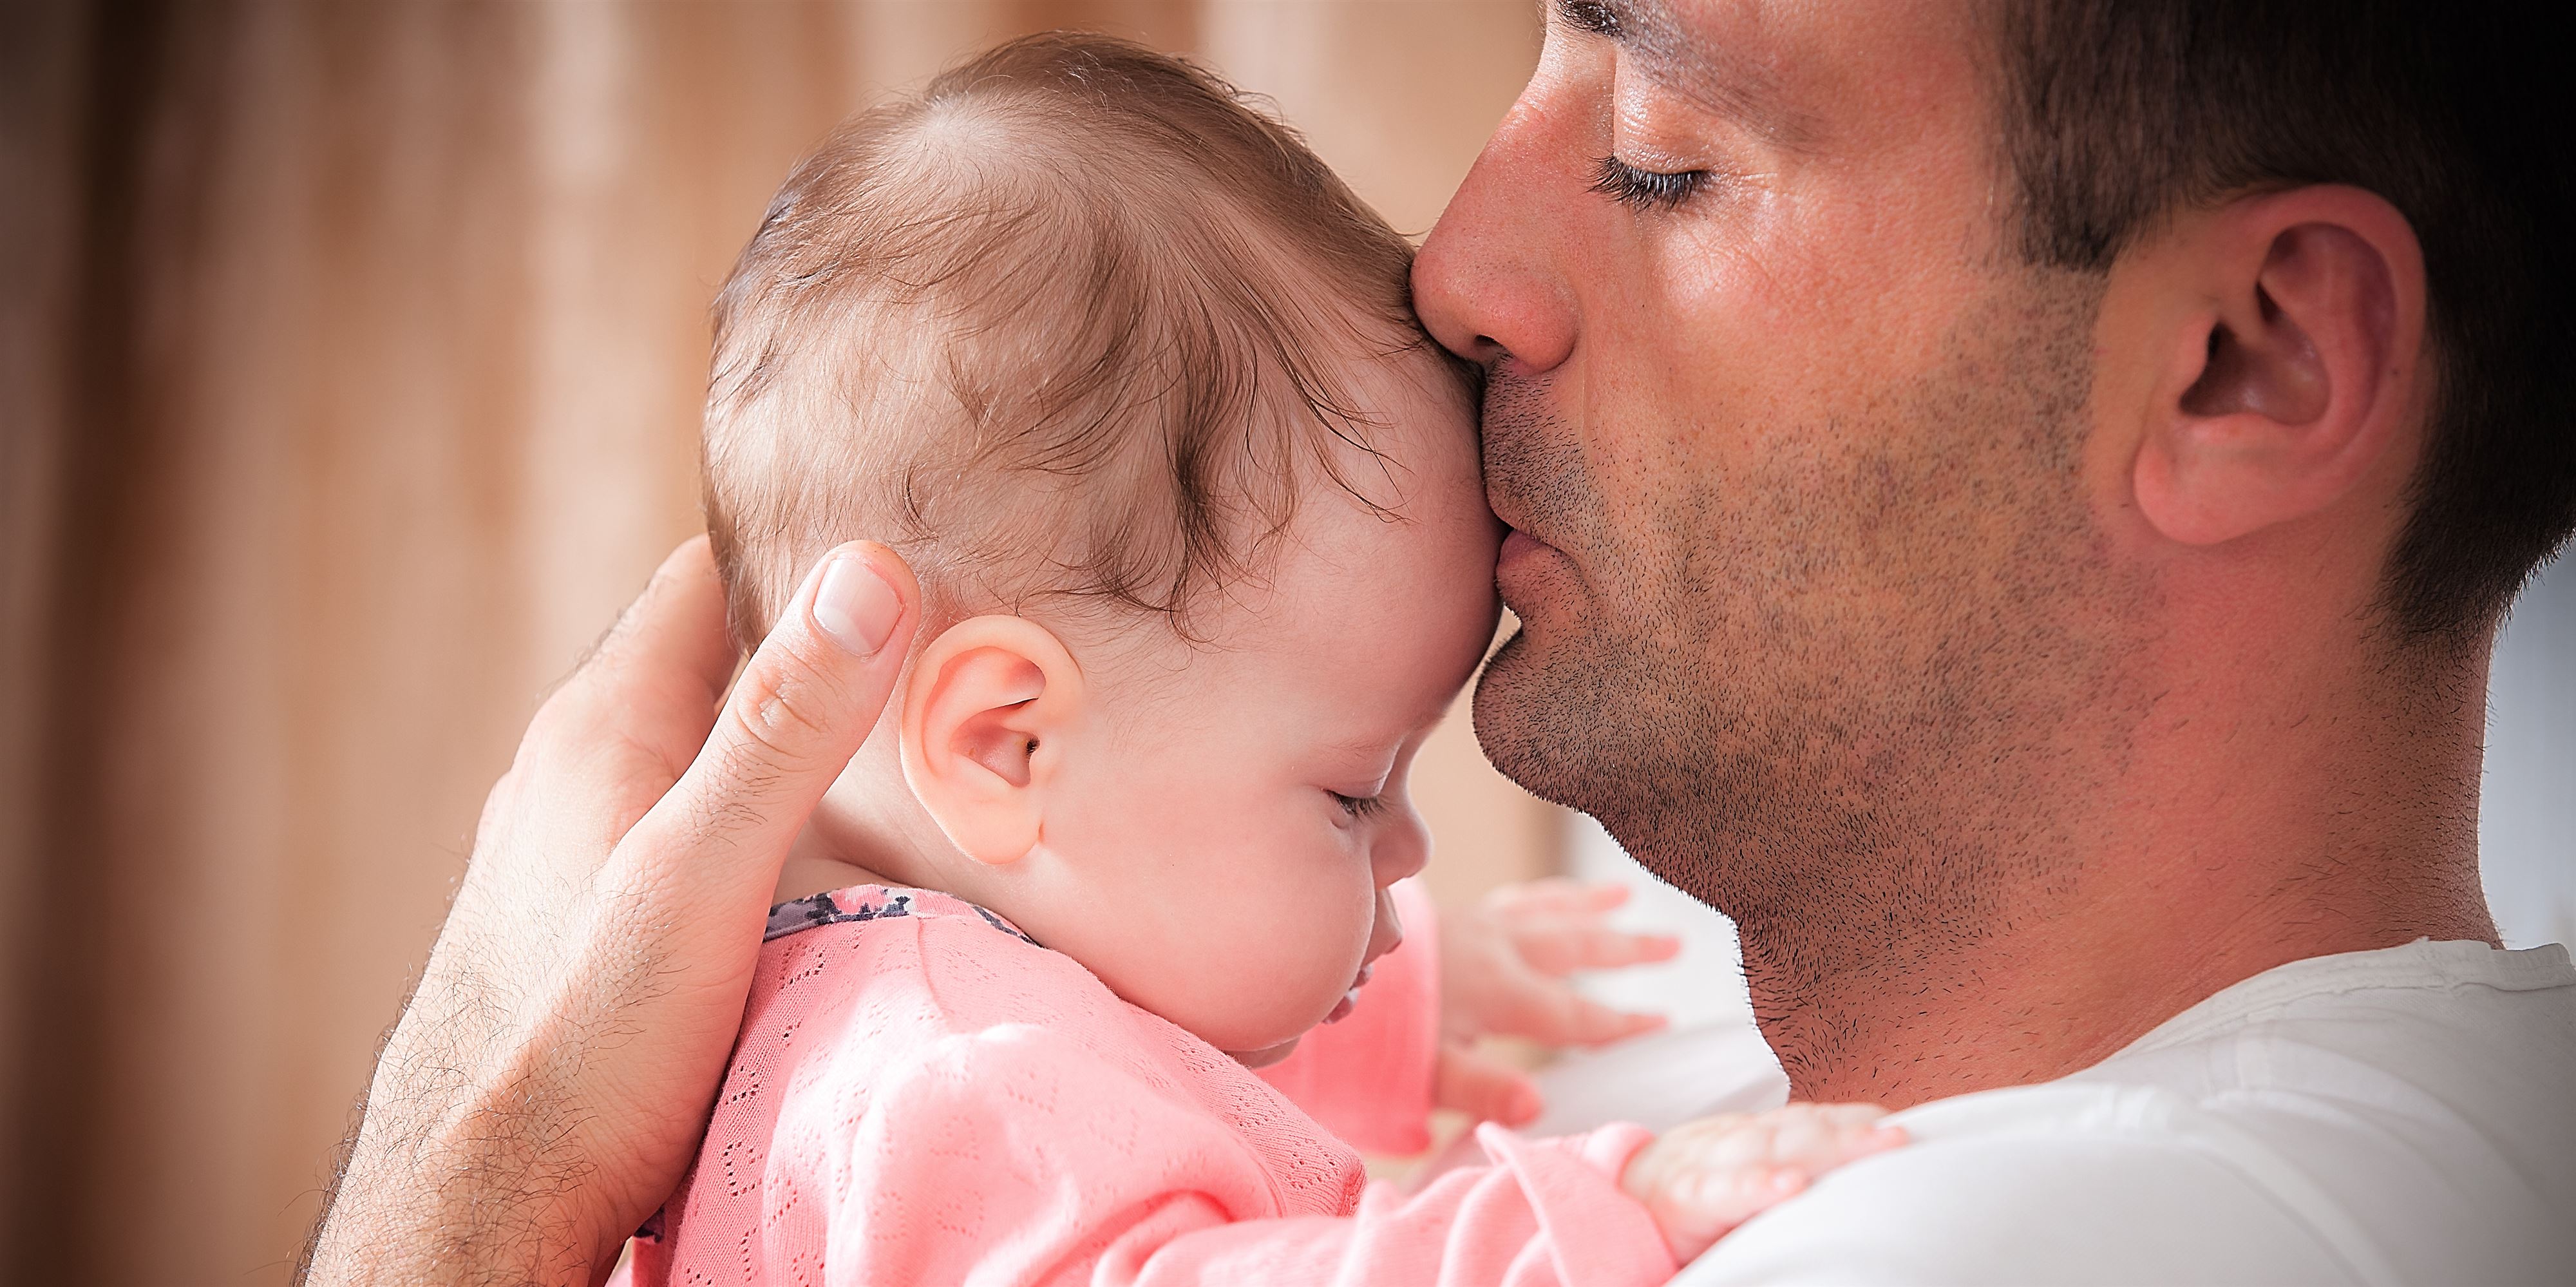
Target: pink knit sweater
921 1094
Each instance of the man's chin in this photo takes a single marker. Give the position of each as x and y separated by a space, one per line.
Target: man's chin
1520 720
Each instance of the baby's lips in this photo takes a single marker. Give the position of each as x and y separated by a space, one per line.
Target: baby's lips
1350 997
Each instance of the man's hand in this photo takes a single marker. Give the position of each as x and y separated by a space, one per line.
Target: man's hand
548 1082
1502 973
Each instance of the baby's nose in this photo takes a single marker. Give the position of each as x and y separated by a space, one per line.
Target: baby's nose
1401 848
1388 932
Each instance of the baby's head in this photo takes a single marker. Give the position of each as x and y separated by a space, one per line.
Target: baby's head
1133 382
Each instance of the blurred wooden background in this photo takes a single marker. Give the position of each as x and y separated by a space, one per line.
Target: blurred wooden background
350 363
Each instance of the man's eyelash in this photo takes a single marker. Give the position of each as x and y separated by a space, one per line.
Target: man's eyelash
1358 806
1645 189
1590 15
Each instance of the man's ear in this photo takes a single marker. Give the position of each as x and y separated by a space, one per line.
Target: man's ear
2294 325
985 717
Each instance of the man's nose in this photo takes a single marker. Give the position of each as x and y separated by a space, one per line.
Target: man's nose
1486 281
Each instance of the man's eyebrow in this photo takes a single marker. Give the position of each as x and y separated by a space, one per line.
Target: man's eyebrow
1715 74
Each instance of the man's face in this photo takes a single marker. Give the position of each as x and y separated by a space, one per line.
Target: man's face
1793 447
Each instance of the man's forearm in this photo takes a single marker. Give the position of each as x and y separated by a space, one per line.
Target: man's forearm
457 1173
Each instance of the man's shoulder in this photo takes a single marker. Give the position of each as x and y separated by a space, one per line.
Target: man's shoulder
2417 1094
2386 1116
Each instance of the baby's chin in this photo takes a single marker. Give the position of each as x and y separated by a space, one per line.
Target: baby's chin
1267 1055
1264 1056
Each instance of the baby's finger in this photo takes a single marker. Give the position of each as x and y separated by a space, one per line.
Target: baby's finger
1562 947
1816 1138
1861 1122
1700 1207
1846 1114
1555 896
1727 1198
1553 1014
1467 1082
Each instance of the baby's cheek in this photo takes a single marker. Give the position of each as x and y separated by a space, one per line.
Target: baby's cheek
1313 925
1240 913
1277 942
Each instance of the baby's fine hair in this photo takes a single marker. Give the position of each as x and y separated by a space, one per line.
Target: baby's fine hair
1065 323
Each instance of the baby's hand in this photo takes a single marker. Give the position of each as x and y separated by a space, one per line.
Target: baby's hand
1502 969
1703 1178
1503 965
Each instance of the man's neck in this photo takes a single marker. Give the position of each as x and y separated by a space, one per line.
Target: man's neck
2240 838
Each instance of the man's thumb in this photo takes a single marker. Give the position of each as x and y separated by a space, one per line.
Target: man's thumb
799 711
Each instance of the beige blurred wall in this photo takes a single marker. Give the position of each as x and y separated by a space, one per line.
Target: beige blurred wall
350 358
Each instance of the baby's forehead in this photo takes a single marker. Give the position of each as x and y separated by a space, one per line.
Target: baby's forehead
1403 559
1361 656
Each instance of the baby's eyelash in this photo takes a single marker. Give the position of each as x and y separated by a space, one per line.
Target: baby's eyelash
1645 189
1358 806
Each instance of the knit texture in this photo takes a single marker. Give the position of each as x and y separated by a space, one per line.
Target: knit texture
922 1095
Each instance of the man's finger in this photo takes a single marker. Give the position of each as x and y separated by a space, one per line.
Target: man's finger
803 705
671 637
676 627
627 721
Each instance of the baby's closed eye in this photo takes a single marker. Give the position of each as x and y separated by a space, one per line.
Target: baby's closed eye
1358 806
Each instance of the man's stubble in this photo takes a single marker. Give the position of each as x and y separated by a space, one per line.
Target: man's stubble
1856 693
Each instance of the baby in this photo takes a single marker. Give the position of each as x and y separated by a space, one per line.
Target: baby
1133 382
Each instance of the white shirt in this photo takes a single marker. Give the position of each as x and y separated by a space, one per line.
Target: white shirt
2398 1116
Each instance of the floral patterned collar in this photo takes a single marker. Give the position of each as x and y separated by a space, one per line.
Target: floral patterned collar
872 903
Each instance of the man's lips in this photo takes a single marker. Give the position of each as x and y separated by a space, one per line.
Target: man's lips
1521 557
1505 506
1520 547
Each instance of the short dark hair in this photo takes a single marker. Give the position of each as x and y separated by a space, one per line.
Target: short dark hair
1070 322
2119 112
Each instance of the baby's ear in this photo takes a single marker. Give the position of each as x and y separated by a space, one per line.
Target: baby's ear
985 716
